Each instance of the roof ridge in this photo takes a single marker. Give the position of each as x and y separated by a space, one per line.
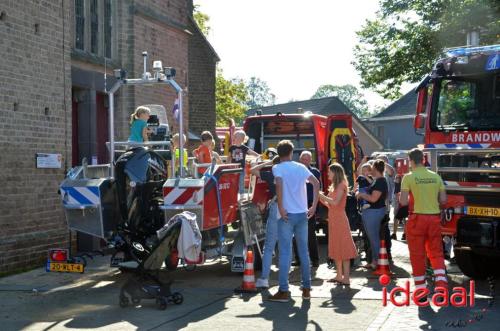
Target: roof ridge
394 104
292 102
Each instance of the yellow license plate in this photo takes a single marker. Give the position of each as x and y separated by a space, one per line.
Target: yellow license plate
483 211
66 267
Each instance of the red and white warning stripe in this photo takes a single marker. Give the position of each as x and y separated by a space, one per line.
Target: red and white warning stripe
182 196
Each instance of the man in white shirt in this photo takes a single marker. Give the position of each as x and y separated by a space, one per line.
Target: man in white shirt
291 178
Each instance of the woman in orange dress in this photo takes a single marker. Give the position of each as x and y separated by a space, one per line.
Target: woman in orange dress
341 247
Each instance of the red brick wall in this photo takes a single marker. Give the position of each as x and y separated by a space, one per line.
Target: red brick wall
202 64
171 47
34 74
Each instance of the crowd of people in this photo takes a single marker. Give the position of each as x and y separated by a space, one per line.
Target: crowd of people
296 190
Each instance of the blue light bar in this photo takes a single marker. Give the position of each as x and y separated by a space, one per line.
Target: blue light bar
463 51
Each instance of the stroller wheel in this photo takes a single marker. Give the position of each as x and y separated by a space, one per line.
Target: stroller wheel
136 301
162 303
177 298
123 301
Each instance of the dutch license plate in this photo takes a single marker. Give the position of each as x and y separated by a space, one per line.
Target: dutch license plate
66 267
482 211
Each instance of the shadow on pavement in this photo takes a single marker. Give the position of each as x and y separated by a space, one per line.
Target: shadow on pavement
94 304
285 315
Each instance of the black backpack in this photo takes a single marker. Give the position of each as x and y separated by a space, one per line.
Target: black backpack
353 215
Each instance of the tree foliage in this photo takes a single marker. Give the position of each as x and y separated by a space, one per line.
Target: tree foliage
348 94
258 93
230 99
202 20
405 39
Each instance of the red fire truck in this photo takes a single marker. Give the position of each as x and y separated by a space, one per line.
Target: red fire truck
458 111
327 138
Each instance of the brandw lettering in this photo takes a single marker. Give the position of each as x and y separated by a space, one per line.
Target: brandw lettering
476 137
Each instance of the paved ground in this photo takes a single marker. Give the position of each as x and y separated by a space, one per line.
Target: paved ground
37 300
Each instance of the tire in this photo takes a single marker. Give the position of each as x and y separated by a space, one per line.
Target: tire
177 298
475 266
123 301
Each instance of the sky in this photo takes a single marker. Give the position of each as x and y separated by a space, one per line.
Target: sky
293 45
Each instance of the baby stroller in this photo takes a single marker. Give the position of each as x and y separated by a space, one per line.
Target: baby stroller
143 282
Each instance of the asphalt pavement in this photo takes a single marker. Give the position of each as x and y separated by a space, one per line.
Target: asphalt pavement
37 300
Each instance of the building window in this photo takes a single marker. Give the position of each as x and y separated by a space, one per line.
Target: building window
94 27
380 132
80 24
107 28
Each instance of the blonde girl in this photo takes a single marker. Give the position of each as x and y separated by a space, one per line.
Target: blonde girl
139 125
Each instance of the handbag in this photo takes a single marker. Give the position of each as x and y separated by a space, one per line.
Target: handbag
352 212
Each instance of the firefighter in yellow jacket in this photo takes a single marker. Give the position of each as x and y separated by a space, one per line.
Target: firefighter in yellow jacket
423 229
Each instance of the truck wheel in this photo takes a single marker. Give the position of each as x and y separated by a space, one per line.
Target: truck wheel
473 265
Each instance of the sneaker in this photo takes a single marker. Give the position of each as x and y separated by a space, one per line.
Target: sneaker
393 236
296 264
280 297
306 293
262 283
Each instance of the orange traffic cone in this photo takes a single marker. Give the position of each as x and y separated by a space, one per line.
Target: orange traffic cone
383 261
248 285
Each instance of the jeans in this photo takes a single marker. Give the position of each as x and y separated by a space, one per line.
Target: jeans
271 239
242 182
296 225
385 233
372 219
312 240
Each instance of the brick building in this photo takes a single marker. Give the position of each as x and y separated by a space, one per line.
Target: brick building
52 98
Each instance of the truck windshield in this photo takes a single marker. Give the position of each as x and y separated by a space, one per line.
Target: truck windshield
467 103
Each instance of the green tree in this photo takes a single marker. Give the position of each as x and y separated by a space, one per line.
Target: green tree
406 38
230 99
258 93
202 20
348 94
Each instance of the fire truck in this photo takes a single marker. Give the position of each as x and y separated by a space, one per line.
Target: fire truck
458 112
329 139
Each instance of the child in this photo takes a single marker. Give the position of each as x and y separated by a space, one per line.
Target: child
176 143
215 155
364 181
203 153
139 125
238 153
